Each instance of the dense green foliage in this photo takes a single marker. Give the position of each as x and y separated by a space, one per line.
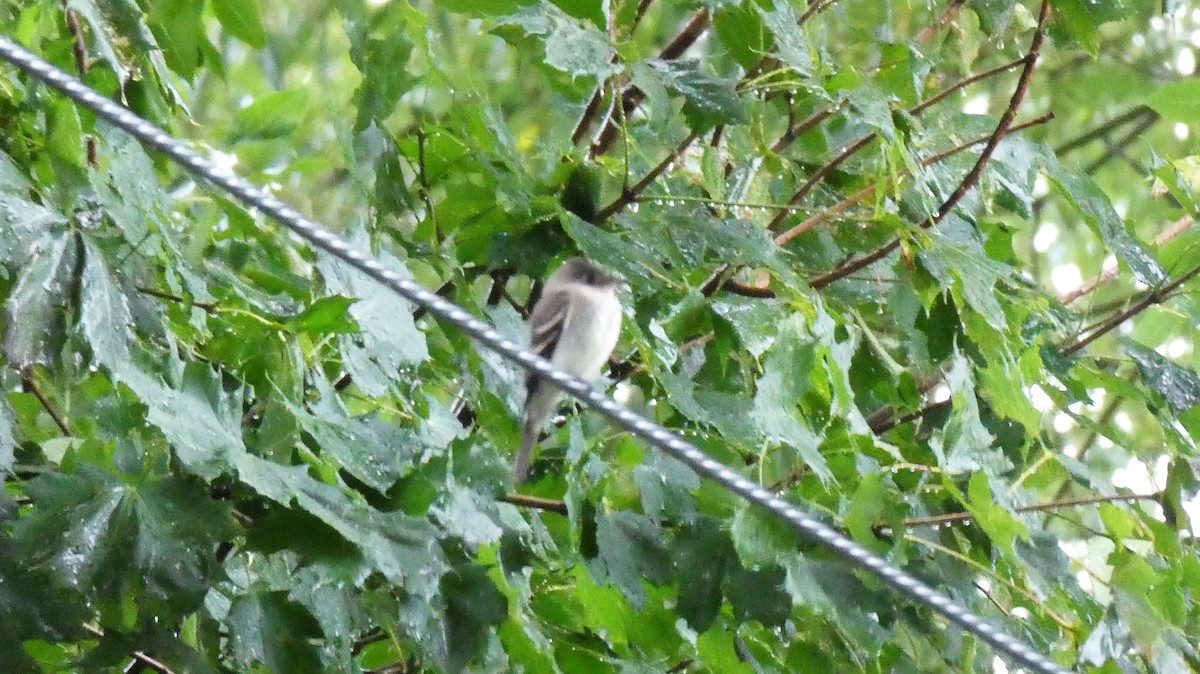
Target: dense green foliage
223 451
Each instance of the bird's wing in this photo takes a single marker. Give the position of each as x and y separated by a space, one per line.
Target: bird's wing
549 317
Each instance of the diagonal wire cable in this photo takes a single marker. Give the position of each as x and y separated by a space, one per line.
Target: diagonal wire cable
1013 649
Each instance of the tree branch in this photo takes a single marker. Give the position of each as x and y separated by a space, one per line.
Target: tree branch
969 181
140 657
962 84
207 307
79 49
870 190
862 142
1104 129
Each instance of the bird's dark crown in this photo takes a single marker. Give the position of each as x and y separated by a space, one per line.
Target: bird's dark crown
583 270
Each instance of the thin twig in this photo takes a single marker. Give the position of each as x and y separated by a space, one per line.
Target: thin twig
1118 147
1179 227
857 145
962 84
800 128
1156 296
140 656
632 194
535 502
817 177
946 17
593 105
79 48
29 385
952 518
812 10
885 426
1103 129
207 307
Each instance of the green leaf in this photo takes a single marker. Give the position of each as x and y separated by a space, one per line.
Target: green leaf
1078 21
370 448
779 391
631 552
1001 526
995 16
761 538
380 51
110 539
708 100
703 556
971 274
268 628
119 30
1179 101
871 106
327 315
34 316
106 319
1179 386
572 46
665 485
481 7
34 608
273 115
1095 208
243 20
403 548
612 250
791 45
107 40
754 320
717 649
128 188
965 445
474 606
740 29
202 421
180 23
866 507
22 222
468 515
389 340
759 595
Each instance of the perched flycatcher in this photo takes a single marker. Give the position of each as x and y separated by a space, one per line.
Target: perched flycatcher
575 326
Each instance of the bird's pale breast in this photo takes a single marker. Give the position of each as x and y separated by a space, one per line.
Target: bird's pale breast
592 342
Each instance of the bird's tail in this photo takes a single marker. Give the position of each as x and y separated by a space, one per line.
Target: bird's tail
521 466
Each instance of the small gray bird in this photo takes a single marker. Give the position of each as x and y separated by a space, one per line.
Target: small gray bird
574 325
